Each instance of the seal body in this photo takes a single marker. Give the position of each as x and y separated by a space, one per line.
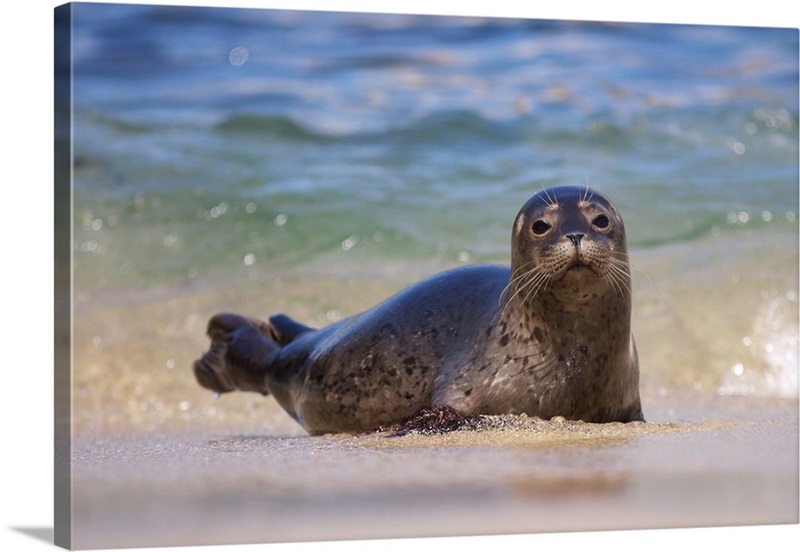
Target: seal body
549 336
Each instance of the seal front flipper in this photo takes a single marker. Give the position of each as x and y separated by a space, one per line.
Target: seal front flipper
241 350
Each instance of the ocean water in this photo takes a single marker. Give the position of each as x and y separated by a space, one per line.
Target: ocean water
216 149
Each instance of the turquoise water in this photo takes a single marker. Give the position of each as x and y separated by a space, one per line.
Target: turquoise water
212 142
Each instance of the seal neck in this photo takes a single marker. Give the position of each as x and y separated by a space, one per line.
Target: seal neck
603 318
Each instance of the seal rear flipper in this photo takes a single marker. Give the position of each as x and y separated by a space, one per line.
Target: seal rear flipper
285 329
240 352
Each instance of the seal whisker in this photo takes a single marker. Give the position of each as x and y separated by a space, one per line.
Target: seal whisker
518 272
516 276
623 262
523 271
617 275
517 280
588 194
551 201
635 266
533 278
618 285
538 282
620 266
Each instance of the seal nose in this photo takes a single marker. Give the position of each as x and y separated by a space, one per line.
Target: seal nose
575 239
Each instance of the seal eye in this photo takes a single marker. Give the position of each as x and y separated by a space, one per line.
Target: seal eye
540 227
601 222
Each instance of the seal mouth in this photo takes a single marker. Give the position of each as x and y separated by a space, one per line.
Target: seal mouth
578 272
579 267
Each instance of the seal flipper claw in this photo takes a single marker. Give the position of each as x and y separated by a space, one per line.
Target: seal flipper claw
238 357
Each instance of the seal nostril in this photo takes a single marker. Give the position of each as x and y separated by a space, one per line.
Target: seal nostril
575 239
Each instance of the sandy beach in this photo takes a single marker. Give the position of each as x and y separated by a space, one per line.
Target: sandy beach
268 484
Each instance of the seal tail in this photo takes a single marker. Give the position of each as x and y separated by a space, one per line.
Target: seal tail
239 355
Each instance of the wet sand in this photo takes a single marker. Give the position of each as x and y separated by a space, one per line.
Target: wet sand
267 482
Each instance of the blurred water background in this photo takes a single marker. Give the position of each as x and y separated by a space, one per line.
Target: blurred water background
266 156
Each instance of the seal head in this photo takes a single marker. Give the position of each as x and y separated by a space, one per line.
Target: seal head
569 242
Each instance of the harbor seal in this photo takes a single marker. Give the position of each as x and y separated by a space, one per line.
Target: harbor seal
548 336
